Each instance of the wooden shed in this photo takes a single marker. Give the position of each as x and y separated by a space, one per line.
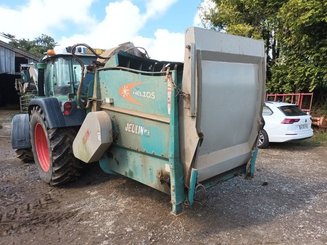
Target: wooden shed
10 60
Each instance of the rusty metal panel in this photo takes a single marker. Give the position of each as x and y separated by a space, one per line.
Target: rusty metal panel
143 108
141 134
138 107
7 61
146 93
147 169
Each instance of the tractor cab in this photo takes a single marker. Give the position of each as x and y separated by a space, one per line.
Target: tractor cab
63 74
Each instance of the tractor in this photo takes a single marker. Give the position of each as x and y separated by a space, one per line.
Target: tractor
53 94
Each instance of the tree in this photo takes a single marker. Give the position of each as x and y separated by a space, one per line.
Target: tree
38 46
294 32
302 34
249 18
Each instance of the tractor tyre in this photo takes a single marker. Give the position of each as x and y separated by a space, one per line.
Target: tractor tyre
25 155
52 150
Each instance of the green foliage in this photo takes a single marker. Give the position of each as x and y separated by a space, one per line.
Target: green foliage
295 34
249 18
319 137
302 36
38 46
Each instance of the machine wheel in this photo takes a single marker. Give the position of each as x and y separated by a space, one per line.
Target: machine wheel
52 150
263 140
25 155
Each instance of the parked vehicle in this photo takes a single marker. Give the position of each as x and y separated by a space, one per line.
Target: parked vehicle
284 122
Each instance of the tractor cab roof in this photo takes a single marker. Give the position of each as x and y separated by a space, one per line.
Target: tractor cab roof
66 52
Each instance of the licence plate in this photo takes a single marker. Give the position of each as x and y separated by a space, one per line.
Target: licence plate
303 126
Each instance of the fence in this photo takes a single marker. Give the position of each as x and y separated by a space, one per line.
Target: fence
302 100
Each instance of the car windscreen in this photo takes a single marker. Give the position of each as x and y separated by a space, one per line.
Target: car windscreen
291 110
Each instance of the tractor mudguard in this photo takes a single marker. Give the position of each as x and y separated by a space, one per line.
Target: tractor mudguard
53 114
20 132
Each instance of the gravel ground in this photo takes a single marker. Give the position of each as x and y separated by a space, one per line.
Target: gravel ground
286 203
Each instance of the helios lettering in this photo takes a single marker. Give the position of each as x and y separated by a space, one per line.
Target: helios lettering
144 94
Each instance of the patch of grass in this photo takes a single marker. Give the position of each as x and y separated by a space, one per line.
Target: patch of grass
0 126
319 137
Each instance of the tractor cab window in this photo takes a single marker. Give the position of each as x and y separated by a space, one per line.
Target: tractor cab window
62 76
77 72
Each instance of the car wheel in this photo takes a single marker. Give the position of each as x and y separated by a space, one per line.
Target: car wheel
263 140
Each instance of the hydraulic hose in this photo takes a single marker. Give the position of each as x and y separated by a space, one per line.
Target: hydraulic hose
80 103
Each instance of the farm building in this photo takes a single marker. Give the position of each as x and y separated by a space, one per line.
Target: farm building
10 60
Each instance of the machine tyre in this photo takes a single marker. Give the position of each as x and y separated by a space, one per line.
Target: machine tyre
263 139
52 150
25 155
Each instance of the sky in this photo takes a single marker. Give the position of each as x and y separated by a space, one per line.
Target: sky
156 25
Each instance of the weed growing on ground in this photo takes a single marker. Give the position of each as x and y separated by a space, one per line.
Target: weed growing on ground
320 137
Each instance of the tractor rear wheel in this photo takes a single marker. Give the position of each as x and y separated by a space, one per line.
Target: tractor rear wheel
52 150
25 155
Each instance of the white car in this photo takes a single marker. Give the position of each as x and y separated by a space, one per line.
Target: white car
284 122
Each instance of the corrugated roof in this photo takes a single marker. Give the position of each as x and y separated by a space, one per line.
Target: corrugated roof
19 51
8 56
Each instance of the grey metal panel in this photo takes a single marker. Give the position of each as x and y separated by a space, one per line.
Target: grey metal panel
228 104
224 165
218 42
94 137
7 61
230 82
